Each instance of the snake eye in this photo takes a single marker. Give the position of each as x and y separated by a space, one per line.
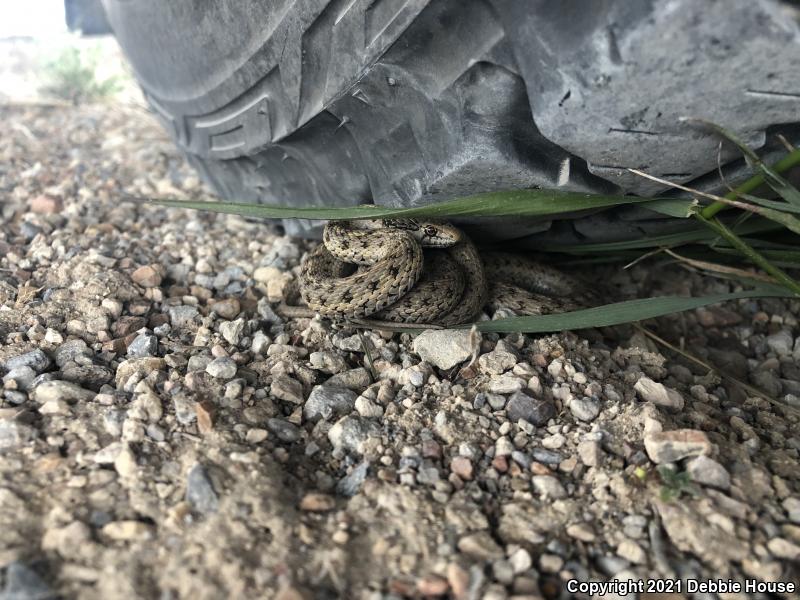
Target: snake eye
430 231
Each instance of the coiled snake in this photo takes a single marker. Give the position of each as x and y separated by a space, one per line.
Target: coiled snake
377 269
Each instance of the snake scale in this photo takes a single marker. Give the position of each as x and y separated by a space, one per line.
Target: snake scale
410 271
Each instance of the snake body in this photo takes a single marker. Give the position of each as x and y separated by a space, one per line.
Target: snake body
378 269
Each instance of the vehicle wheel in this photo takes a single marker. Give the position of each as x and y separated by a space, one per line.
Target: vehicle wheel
405 102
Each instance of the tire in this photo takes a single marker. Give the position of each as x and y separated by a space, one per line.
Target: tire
405 102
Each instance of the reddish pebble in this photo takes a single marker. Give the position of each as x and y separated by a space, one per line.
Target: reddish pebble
462 467
431 449
500 463
317 502
432 586
46 205
458 577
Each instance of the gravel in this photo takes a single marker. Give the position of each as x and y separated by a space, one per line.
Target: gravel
165 432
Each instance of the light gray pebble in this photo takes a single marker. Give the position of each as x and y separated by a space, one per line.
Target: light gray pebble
184 409
260 342
584 409
200 493
469 450
658 394
444 348
143 345
182 315
506 384
496 401
349 485
327 362
326 402
14 434
64 391
22 583
707 471
792 507
222 368
548 486
354 379
351 433
286 432
232 331
23 376
780 343
285 388
590 453
35 359
15 397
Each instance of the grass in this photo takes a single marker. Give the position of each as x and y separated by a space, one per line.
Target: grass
761 231
71 75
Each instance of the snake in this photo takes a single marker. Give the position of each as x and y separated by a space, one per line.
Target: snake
423 271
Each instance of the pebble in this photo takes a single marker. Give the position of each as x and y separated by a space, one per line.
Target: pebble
22 377
658 394
61 391
232 331
327 362
285 388
222 368
286 432
349 485
227 308
497 361
458 579
326 402
351 433
354 379
792 507
671 446
549 487
632 552
780 343
581 531
506 384
432 586
462 466
444 348
536 412
367 408
46 205
14 434
147 276
707 471
23 583
584 409
143 345
200 493
35 359
182 316
317 502
128 531
480 546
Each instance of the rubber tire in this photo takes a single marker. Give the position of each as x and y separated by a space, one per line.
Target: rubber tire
405 102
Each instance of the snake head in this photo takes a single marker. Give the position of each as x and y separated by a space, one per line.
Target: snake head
439 235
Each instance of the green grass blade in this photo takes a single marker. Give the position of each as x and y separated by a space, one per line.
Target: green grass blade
781 186
514 203
681 208
621 312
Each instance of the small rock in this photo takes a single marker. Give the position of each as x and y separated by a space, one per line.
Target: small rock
349 485
782 548
671 446
14 434
497 361
534 411
462 467
46 205
792 507
61 391
200 493
432 586
125 462
658 394
548 486
368 409
584 409
581 531
222 368
444 348
285 388
183 315
126 531
780 343
354 379
260 343
520 561
506 384
147 276
503 446
21 376
351 433
35 359
326 402
23 583
227 308
458 578
317 502
286 432
327 362
137 366
143 345
232 331
590 453
631 551
707 471
54 407
480 546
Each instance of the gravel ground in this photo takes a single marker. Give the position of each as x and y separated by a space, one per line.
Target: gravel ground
165 434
